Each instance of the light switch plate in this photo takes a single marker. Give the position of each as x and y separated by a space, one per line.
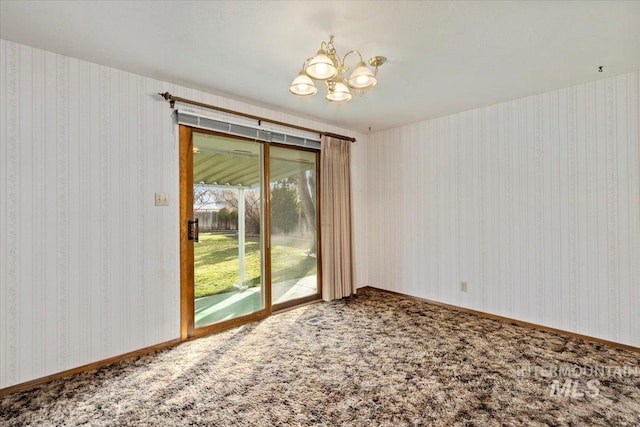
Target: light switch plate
162 199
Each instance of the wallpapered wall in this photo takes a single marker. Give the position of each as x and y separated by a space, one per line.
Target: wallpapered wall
89 267
534 202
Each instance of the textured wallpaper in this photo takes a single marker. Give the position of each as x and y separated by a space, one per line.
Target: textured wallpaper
89 267
534 202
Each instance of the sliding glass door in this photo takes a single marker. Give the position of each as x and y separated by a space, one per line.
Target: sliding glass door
294 225
228 258
249 241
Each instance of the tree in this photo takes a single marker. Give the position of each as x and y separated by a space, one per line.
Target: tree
284 215
306 185
233 219
229 198
223 219
203 198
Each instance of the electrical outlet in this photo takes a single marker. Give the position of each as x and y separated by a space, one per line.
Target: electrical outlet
463 286
162 199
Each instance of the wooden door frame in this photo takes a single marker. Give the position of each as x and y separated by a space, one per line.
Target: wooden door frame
187 302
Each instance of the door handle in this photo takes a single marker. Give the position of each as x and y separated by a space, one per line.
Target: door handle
193 230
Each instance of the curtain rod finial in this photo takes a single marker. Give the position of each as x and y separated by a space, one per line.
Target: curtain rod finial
167 96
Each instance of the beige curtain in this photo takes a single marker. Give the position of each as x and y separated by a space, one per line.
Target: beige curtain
335 214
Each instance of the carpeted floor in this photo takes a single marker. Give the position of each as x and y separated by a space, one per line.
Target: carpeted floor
375 359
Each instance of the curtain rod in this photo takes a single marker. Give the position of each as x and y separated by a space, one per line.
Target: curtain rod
173 99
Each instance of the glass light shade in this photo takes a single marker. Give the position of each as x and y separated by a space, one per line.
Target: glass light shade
302 85
321 67
362 77
339 93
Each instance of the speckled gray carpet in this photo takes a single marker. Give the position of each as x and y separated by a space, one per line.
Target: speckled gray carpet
375 359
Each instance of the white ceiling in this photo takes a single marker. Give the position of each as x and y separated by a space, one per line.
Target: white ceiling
443 57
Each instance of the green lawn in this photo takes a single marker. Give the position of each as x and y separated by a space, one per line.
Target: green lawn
216 262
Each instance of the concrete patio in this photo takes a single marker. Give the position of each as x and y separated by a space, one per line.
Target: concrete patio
228 305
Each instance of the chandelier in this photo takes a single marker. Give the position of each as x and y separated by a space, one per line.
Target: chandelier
326 66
